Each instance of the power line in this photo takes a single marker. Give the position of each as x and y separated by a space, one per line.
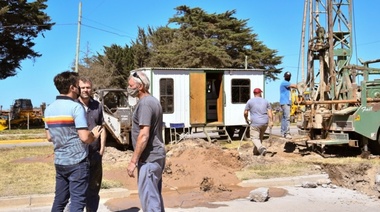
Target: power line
123 33
103 30
67 24
104 25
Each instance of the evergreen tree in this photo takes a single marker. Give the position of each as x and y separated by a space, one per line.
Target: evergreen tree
207 40
20 23
110 69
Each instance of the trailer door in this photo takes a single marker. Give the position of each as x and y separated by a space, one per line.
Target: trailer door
197 98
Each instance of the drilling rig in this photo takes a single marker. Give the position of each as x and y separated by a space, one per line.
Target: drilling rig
342 101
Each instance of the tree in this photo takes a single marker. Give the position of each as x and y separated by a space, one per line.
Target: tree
208 40
20 23
110 69
141 49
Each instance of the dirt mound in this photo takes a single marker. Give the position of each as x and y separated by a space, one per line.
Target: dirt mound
189 164
196 163
358 177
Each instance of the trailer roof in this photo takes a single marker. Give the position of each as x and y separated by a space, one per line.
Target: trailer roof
203 69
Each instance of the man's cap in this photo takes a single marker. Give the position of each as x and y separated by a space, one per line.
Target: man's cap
287 74
257 90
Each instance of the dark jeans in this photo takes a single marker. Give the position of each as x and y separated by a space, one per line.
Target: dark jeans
96 173
71 182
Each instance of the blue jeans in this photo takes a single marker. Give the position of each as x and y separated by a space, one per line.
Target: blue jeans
71 182
285 121
96 174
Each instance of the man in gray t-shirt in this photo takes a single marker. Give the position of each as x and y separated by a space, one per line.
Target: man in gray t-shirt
260 112
149 149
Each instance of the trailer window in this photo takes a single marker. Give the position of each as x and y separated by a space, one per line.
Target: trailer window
240 90
167 95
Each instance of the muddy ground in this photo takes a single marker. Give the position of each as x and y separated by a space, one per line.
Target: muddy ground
198 172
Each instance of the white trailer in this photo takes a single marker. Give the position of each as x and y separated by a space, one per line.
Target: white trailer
204 98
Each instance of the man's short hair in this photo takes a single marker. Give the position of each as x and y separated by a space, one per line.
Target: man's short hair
64 80
287 74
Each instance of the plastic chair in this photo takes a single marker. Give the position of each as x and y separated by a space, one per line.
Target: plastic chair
177 132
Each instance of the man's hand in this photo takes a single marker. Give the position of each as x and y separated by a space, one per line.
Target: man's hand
270 124
96 131
248 122
131 169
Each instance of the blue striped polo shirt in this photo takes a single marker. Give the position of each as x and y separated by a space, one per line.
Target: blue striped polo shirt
62 118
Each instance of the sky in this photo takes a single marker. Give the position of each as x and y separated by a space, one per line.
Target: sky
277 23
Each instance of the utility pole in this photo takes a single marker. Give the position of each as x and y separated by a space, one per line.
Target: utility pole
78 37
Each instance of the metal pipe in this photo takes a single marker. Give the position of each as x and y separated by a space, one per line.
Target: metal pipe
338 101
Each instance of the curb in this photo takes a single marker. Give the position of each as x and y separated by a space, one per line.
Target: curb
38 200
284 181
18 141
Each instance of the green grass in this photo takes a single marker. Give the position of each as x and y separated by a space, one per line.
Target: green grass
266 171
21 134
30 170
22 131
20 175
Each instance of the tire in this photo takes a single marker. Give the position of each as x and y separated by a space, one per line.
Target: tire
374 146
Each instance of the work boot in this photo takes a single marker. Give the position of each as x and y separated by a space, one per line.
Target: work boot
287 136
263 151
255 151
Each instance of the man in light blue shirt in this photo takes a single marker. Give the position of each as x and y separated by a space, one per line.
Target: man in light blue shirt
285 104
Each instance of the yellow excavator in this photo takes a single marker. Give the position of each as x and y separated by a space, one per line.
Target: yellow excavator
22 115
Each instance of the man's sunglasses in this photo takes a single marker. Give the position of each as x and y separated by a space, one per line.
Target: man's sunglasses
137 76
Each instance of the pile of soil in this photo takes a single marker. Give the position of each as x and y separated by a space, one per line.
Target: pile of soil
189 164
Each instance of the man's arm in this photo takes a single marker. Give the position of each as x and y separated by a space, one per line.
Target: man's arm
246 116
48 135
103 138
270 117
142 140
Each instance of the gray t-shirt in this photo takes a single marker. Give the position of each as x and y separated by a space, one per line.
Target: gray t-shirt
258 110
148 112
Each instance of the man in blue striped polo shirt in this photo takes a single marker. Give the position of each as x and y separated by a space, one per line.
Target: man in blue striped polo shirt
66 127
